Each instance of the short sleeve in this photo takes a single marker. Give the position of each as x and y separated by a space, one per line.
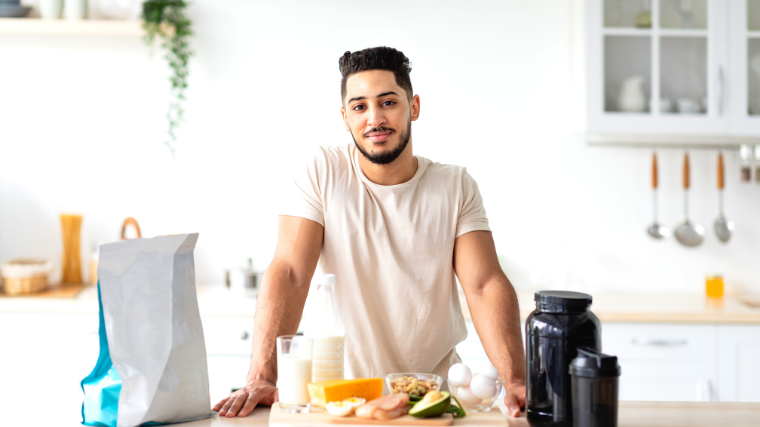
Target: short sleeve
303 197
472 214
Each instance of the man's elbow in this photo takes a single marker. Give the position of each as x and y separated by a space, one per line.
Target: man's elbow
487 284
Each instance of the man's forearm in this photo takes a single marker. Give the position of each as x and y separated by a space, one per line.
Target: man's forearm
278 312
496 316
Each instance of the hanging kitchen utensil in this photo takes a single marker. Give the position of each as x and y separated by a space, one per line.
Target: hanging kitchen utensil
688 234
723 227
656 230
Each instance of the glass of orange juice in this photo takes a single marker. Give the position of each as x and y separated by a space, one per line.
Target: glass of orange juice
714 285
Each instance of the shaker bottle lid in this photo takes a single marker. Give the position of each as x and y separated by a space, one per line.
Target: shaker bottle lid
562 301
591 363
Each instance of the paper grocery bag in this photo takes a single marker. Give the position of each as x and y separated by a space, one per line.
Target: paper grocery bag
152 363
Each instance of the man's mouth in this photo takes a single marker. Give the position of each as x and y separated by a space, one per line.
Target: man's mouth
378 136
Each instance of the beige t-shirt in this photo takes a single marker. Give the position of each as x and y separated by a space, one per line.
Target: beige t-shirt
391 250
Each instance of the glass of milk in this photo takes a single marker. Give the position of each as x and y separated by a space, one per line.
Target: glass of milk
294 353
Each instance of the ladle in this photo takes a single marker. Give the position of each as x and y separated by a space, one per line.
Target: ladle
688 234
723 227
656 230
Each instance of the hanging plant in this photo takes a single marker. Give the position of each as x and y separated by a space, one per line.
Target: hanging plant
166 19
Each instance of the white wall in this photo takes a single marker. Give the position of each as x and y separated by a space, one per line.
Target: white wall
81 122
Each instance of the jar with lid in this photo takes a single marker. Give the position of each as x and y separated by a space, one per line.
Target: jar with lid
560 324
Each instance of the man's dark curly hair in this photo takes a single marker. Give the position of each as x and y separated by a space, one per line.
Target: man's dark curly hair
376 58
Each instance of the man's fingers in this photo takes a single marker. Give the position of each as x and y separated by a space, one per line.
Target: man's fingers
515 400
250 403
513 403
237 404
226 406
221 403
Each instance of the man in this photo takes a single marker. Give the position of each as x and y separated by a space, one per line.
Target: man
394 228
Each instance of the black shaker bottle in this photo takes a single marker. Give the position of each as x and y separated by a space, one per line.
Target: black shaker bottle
559 325
595 389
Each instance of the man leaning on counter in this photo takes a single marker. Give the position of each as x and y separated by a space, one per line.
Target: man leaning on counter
394 228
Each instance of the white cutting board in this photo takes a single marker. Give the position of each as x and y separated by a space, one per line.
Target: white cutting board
318 416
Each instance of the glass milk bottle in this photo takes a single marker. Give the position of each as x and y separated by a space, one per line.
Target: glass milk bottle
327 332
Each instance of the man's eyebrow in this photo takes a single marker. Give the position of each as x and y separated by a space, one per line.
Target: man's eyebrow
359 98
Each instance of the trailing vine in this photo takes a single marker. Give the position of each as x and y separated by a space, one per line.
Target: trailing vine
167 20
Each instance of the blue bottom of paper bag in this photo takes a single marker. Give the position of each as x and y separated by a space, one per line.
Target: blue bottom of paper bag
103 386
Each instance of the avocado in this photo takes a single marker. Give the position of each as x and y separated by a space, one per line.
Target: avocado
427 408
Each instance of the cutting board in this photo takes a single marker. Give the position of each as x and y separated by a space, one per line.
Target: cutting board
318 416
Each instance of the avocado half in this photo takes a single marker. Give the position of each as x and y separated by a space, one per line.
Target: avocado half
435 408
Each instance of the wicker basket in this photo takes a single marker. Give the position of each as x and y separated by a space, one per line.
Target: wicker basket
25 276
25 286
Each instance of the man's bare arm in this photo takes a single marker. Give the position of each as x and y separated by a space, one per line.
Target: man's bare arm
278 311
494 309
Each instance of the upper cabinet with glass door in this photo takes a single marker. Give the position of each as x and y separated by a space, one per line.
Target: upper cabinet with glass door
744 54
657 67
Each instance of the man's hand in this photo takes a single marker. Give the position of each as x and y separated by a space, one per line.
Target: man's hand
515 398
242 402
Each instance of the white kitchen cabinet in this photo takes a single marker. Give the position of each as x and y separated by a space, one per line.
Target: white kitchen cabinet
692 59
744 68
739 367
228 351
664 362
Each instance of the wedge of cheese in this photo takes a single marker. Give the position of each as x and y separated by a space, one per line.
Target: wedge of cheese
336 390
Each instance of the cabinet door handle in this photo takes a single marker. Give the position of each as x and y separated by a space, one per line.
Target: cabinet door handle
722 90
659 342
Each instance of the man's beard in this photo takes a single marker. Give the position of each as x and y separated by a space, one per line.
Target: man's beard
387 157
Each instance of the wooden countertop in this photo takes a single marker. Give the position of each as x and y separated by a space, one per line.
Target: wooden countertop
630 414
660 308
217 300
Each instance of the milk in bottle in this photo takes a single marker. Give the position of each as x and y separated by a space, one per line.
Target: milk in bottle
327 331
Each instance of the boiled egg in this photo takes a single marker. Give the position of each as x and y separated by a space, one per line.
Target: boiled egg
354 402
483 387
460 375
339 409
466 396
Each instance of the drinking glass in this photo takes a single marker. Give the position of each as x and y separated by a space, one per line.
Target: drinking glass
294 353
714 286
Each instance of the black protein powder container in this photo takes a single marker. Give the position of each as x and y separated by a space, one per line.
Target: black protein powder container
560 324
595 389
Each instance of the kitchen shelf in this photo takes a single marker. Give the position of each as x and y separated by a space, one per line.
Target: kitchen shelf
682 33
663 32
33 26
708 142
639 32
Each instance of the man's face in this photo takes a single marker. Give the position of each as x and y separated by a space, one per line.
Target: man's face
378 115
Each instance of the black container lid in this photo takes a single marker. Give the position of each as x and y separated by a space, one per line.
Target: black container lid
562 301
591 363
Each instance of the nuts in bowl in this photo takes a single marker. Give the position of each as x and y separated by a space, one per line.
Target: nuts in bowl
414 384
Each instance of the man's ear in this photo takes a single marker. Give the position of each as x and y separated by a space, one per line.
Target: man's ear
345 118
414 106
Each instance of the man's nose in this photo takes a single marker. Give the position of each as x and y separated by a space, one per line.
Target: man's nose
375 117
